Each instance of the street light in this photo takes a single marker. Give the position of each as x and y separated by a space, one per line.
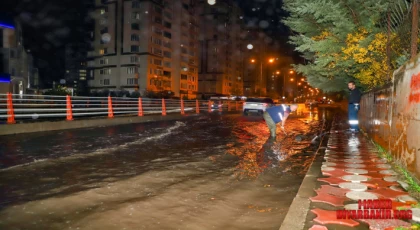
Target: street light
302 79
278 72
271 60
291 72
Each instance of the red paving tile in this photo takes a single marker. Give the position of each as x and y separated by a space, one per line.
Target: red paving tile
387 193
335 191
385 224
376 175
336 173
378 183
330 217
318 227
329 199
397 204
332 180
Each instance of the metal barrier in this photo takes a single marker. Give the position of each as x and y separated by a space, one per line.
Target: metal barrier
20 107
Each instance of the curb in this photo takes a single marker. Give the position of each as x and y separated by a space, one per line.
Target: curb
298 210
85 123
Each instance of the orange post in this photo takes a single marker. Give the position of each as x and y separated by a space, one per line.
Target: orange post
110 110
69 109
220 106
10 110
209 106
182 106
140 108
197 107
236 105
163 107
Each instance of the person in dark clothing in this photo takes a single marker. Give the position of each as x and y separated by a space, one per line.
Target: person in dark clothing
277 114
354 101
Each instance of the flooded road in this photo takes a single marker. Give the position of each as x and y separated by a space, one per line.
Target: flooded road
205 172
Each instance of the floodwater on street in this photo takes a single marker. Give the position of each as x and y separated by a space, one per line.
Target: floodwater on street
204 172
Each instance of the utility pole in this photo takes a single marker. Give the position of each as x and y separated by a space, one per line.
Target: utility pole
414 28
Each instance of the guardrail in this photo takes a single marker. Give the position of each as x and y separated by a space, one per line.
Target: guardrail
20 107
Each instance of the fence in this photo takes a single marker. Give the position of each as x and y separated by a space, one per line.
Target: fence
21 107
391 116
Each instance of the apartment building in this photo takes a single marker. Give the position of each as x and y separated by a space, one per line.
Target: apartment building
75 64
148 45
16 68
222 48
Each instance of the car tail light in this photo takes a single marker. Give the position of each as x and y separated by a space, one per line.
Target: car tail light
244 103
265 104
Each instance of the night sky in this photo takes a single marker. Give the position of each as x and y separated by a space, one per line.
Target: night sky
51 24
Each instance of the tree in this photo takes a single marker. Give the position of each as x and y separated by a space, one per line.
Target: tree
59 91
342 40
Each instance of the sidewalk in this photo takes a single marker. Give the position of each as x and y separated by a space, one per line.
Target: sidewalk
344 171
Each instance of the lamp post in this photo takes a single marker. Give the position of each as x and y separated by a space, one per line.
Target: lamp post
271 60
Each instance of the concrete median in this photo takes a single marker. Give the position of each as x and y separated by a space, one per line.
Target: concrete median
84 123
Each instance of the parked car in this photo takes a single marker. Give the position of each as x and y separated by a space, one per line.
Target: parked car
258 105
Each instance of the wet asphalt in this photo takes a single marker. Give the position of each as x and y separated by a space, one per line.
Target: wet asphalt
205 172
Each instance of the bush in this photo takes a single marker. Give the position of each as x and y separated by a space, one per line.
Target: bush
135 94
59 91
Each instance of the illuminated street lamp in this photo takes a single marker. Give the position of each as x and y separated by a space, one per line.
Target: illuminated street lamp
302 79
271 60
291 71
278 72
211 2
292 79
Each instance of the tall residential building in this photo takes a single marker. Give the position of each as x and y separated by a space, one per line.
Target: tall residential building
148 45
222 48
75 64
16 62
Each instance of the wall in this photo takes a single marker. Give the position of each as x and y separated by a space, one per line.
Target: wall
390 115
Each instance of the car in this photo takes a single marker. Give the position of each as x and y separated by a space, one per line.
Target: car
311 103
258 105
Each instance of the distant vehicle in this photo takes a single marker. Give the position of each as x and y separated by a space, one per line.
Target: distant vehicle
258 105
216 102
311 103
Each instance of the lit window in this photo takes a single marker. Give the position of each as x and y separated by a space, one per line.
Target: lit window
132 81
131 70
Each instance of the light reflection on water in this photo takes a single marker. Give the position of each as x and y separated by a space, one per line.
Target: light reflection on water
262 153
217 172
